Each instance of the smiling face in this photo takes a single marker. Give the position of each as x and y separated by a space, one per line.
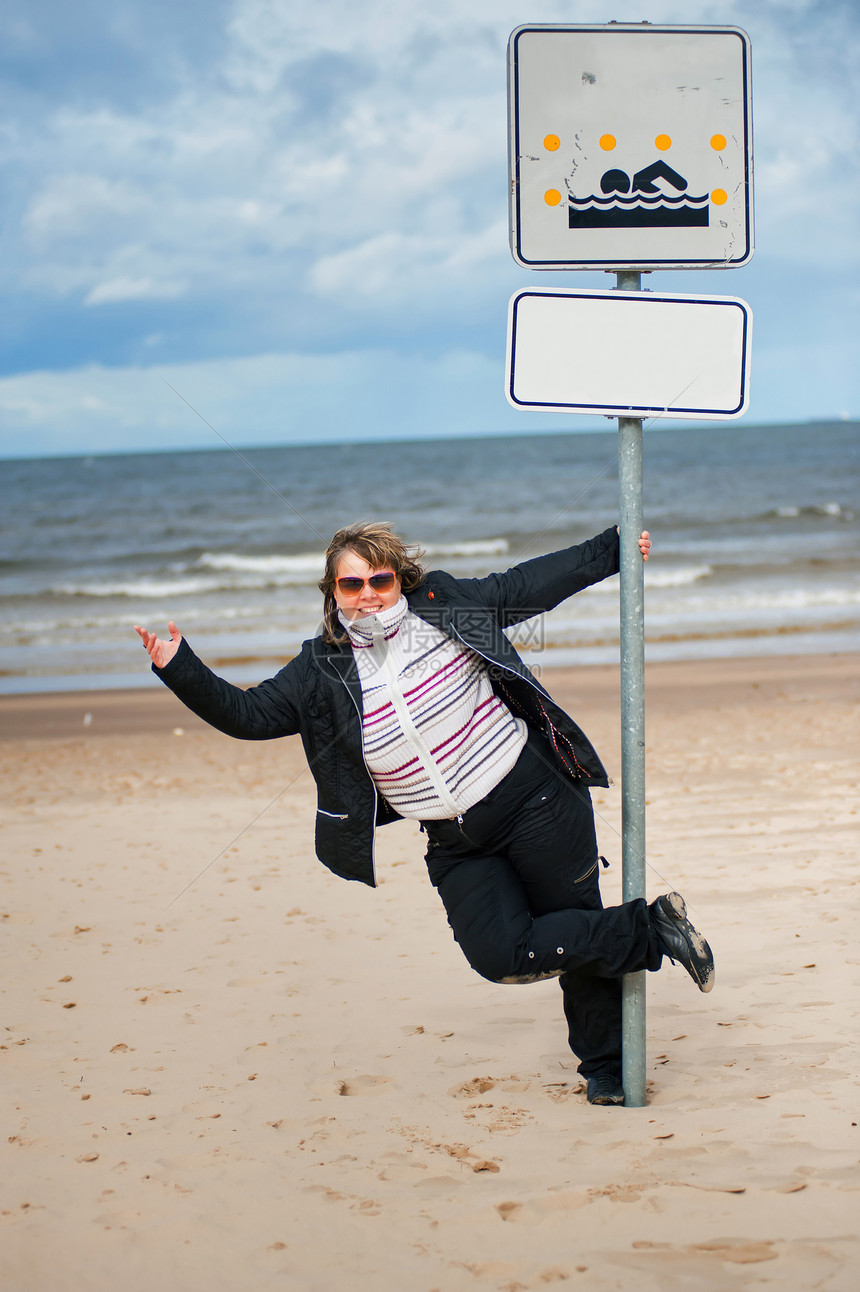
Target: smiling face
367 601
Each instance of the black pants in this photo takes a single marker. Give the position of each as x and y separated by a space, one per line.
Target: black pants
519 881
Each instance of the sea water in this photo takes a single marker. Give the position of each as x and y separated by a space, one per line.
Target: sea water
755 544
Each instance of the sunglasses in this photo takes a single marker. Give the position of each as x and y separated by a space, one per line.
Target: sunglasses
351 585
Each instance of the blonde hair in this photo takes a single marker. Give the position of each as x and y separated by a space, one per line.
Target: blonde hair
377 544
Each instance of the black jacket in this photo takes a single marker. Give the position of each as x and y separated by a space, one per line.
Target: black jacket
318 694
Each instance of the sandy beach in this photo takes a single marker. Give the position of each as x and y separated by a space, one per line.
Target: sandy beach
223 1068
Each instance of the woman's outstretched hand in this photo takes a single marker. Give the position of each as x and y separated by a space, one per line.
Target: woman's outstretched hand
160 652
644 543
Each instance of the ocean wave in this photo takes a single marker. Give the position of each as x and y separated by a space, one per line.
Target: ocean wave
144 589
678 578
256 574
476 547
93 619
682 576
838 634
310 563
794 599
823 509
182 584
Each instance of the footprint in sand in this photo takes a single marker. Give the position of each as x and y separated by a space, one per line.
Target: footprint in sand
468 1089
534 1210
363 1085
739 1252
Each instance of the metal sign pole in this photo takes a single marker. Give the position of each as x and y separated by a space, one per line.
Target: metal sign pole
582 198
632 724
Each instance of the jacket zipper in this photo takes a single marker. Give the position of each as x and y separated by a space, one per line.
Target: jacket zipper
414 737
496 664
372 784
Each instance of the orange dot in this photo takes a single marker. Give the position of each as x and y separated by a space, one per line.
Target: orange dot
607 143
552 143
719 196
662 142
552 197
718 143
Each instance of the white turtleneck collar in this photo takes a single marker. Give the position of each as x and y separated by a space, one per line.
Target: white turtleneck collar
371 629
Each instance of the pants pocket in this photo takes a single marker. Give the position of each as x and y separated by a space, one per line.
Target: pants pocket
588 873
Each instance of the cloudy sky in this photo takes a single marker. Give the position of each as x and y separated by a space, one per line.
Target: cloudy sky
295 215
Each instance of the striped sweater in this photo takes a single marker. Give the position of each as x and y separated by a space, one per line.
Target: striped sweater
436 737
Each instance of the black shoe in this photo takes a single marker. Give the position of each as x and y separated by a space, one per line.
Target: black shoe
604 1088
680 941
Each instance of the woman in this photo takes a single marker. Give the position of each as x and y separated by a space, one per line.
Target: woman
413 703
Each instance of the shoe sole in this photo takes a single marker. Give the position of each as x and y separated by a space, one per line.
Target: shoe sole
606 1101
675 906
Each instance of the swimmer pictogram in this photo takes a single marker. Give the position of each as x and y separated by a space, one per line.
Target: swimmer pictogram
641 202
640 210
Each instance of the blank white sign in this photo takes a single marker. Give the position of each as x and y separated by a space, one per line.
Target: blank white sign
629 354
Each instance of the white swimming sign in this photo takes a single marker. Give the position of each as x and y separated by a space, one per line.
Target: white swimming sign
629 354
630 147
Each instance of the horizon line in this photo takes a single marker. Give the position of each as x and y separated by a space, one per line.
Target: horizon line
661 426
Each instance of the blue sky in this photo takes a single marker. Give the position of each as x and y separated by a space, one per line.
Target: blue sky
296 216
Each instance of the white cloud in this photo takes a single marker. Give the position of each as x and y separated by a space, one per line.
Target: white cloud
270 398
46 401
334 175
359 394
399 266
71 205
413 122
134 289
